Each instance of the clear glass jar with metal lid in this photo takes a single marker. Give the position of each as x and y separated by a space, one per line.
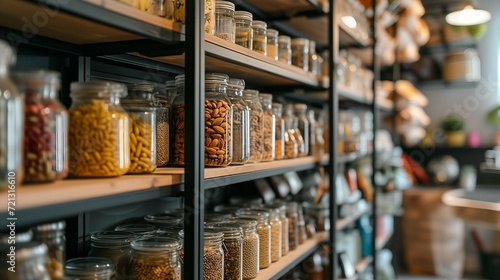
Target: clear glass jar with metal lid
292 213
272 43
284 49
88 268
264 230
313 126
303 126
251 97
291 143
300 53
259 36
284 226
99 134
244 31
266 100
155 258
225 26
45 126
53 236
279 144
302 225
233 249
113 245
241 121
164 219
251 246
276 232
213 254
314 60
292 123
138 229
12 131
209 15
28 261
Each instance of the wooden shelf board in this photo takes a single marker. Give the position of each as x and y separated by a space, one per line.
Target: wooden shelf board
290 260
342 223
348 95
279 6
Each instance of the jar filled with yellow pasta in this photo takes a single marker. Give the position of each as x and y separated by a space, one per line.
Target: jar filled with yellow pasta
180 14
98 130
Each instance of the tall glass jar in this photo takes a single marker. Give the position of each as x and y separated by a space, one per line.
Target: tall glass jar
256 125
241 121
292 143
94 268
313 131
301 224
279 146
276 232
218 120
46 127
213 255
244 31
314 61
352 126
272 43
225 26
269 126
250 246
180 14
342 69
300 53
98 130
264 230
259 36
233 249
155 258
162 105
113 245
29 259
53 236
294 129
293 223
12 131
284 226
284 49
303 126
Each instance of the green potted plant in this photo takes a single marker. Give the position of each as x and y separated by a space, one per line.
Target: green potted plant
453 125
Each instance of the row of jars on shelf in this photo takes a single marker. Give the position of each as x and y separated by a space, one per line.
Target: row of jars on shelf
353 15
238 243
353 75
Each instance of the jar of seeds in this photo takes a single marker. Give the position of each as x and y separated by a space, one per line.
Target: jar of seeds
233 249
155 258
293 223
213 255
284 226
279 144
272 43
251 97
250 246
225 27
264 230
276 232
269 126
241 121
244 31
259 36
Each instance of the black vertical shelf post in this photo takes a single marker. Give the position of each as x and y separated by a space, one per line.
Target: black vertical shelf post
194 133
375 110
333 104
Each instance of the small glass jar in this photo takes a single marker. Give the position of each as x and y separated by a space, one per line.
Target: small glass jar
29 259
303 126
272 43
213 255
292 143
53 236
264 230
293 224
180 14
300 53
137 229
250 246
259 36
12 131
46 127
155 258
98 130
87 268
164 219
269 126
225 26
284 49
251 97
241 121
314 61
244 31
352 128
113 245
279 146
233 249
160 8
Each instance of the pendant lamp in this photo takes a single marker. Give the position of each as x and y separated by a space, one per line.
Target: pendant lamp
468 16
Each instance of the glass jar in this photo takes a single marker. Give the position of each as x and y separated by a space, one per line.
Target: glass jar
12 131
301 225
340 137
89 268
284 49
293 224
225 26
155 258
302 124
162 105
272 43
218 142
46 127
29 261
320 117
292 143
241 121
351 72
314 63
300 53
180 14
342 68
279 146
164 219
269 126
251 97
313 127
160 7
113 245
351 131
98 130
259 36
244 31
284 226
138 229
250 246
264 231
53 236
213 255
276 232
233 249
366 134
319 213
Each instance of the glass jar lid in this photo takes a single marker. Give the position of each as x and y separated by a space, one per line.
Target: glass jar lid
283 39
142 87
278 108
244 222
244 15
272 32
136 228
230 230
34 79
155 244
216 216
86 267
226 208
300 107
274 211
164 219
251 93
218 78
168 232
104 239
237 84
179 80
300 42
266 97
224 5
213 236
97 89
260 215
170 84
259 24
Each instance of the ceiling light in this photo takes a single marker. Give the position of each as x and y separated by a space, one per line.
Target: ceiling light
349 21
468 16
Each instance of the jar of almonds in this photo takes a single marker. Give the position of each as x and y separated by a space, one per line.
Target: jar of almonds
155 258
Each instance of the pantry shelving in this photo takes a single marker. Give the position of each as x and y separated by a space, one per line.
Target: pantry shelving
344 222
